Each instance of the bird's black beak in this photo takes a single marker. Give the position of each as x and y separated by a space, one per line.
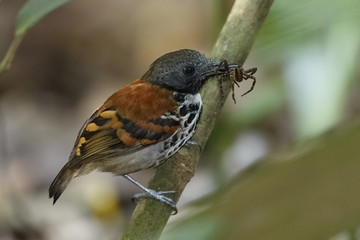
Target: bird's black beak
219 69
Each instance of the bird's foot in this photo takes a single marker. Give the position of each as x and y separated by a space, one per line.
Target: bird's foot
193 143
158 196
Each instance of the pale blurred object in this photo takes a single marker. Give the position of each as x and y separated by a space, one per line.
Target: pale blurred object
318 80
348 235
248 148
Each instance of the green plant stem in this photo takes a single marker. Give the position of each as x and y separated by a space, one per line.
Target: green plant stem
9 56
234 43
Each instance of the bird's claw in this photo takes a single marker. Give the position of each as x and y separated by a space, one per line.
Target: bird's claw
193 143
158 196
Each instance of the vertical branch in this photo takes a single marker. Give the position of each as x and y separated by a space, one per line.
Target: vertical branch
234 43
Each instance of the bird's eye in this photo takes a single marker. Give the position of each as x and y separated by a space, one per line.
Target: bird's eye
189 71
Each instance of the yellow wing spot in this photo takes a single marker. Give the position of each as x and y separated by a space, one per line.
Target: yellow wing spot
108 114
115 123
125 137
78 152
92 127
82 140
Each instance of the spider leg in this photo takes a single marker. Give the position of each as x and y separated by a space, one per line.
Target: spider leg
251 71
237 83
233 92
252 86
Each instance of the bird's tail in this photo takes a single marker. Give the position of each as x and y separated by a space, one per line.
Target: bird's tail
61 181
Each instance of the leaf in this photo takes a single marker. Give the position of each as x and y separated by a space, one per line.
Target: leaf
33 11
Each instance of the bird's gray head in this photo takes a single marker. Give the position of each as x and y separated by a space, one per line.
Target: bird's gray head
183 71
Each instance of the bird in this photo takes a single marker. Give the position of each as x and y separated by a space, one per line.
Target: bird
144 123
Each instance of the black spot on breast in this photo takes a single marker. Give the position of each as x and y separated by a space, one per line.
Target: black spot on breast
183 110
179 97
174 139
182 142
182 136
197 120
193 107
191 118
192 127
170 153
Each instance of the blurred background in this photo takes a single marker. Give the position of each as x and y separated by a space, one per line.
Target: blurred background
283 163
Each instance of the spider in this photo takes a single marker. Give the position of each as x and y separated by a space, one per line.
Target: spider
236 74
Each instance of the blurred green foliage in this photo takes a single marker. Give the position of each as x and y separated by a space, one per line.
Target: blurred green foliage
307 54
316 45
33 11
199 229
30 13
313 196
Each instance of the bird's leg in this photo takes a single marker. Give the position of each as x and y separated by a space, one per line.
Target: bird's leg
149 193
190 143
